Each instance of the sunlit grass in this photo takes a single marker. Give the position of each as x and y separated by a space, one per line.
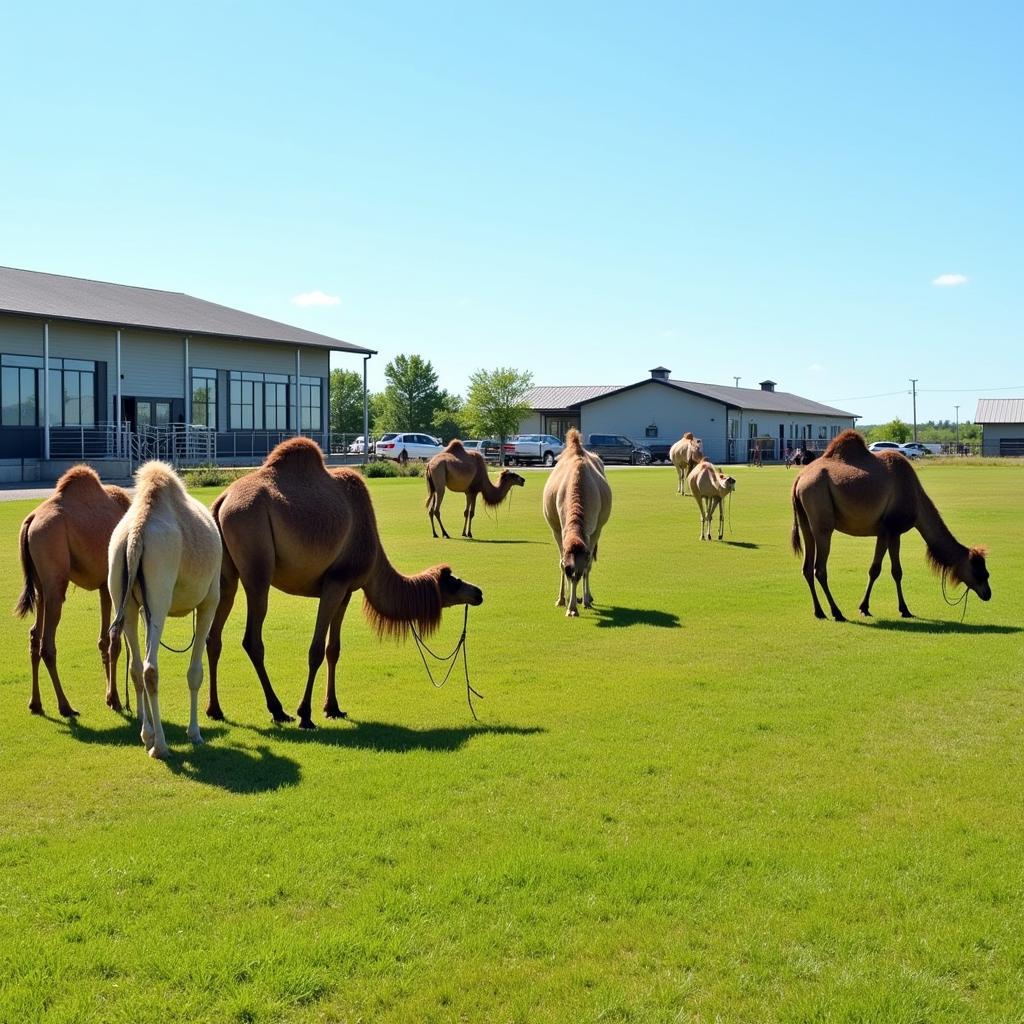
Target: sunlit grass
694 803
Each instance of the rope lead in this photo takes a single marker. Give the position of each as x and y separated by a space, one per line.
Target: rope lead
422 647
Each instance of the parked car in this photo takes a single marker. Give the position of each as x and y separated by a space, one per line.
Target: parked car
618 448
527 448
884 446
914 449
358 446
488 448
402 447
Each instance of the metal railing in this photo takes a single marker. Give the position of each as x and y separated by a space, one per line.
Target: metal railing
96 441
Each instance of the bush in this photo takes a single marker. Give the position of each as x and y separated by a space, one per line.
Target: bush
210 475
380 469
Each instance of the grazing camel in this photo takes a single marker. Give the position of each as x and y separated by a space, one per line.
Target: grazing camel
65 541
165 559
577 503
864 495
709 488
295 526
462 470
685 454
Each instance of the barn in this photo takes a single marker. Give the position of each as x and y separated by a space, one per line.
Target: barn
1002 422
657 410
138 372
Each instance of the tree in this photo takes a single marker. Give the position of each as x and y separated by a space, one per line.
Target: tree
496 403
894 430
410 397
449 418
346 400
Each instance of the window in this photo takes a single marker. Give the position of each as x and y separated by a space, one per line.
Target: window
204 398
19 390
753 430
734 428
822 433
71 387
258 401
834 431
309 400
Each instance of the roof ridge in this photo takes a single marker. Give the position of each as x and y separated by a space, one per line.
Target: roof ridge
96 280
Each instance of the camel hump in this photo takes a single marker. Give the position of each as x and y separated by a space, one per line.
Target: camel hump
688 436
455 446
78 476
848 444
156 475
299 453
573 441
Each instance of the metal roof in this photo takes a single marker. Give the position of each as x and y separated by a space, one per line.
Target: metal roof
1000 410
566 397
32 293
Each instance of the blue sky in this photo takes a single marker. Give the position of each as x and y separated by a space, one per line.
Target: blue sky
582 190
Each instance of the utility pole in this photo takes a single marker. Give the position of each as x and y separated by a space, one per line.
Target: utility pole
913 385
737 381
957 407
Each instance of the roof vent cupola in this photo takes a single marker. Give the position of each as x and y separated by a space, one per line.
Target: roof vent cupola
660 373
767 385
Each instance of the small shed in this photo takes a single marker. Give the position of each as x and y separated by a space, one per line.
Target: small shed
1002 421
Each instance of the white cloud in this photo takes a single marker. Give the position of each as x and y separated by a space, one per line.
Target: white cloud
316 298
949 280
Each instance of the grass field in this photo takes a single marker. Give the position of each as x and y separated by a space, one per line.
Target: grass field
695 803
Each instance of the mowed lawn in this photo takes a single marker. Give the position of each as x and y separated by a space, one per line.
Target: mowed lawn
694 803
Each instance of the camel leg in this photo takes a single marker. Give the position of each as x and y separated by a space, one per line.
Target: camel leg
159 592
679 488
256 595
897 574
131 637
572 611
470 513
53 605
330 598
588 597
436 511
331 709
823 542
204 620
700 508
874 569
214 641
105 646
35 644
810 551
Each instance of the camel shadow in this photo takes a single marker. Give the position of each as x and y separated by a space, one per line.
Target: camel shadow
745 544
230 768
615 616
484 540
937 626
386 737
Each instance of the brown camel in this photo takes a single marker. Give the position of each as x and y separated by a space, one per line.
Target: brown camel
709 488
685 455
65 541
577 503
461 470
864 495
295 526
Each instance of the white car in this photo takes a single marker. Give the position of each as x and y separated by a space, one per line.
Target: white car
885 446
914 449
358 446
402 447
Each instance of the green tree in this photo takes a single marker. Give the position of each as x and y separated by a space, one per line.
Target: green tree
496 403
894 430
449 417
411 395
346 399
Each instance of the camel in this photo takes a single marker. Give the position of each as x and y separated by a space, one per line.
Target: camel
577 503
685 454
295 526
865 495
65 541
462 470
709 487
164 558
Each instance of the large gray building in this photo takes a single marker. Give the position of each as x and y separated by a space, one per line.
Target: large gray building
1003 425
657 411
122 363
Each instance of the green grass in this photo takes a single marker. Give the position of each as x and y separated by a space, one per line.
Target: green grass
695 803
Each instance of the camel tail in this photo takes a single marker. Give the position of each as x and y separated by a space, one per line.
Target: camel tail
27 600
798 516
130 554
431 490
573 441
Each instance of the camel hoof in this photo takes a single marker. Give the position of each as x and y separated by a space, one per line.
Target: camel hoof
214 712
335 712
306 723
865 613
560 603
68 712
35 709
159 753
906 613
820 615
280 717
840 617
114 702
572 613
198 740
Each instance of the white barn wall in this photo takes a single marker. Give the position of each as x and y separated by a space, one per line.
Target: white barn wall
993 433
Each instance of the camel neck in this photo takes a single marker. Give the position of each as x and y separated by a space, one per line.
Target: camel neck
396 601
942 545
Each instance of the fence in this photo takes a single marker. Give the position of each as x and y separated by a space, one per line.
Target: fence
99 441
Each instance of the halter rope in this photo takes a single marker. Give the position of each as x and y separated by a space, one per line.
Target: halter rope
422 647
962 599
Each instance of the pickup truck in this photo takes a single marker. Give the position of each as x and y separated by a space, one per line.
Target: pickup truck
527 448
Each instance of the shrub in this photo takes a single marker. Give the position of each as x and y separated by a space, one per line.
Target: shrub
210 475
381 469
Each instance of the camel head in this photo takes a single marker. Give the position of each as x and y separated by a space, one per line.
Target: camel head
728 483
973 573
576 559
514 479
455 591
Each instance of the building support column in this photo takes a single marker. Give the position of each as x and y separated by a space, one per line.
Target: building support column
366 415
188 400
46 390
298 391
122 441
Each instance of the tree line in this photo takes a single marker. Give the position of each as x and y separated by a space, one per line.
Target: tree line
932 432
413 400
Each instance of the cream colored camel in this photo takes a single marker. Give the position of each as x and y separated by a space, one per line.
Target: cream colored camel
295 526
685 454
65 541
577 503
165 559
464 471
864 495
709 488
